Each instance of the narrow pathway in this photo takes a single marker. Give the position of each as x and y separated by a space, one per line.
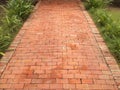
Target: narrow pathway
58 50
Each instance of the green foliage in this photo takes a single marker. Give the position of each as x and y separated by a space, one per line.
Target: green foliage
4 42
102 17
20 8
96 3
108 27
114 46
16 12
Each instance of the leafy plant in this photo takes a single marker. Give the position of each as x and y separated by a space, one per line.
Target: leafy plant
16 12
102 17
96 3
4 42
20 8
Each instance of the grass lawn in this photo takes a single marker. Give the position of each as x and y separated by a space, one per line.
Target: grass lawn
115 12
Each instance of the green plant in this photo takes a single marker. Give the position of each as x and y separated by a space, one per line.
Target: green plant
114 46
11 24
20 8
16 12
102 17
96 3
4 42
111 30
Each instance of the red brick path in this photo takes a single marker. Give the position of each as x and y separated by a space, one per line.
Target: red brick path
59 48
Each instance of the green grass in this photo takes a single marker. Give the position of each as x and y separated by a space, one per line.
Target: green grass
115 12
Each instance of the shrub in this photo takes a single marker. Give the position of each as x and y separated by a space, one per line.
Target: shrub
102 17
96 3
20 8
115 48
4 42
16 12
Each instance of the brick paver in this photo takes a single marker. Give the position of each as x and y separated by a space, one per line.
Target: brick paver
59 48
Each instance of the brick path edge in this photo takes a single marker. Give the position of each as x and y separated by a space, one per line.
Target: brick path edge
10 51
108 57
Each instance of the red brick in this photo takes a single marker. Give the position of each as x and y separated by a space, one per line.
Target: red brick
56 86
72 63
100 82
69 86
3 81
49 81
73 71
68 75
56 75
80 76
111 82
43 86
108 87
39 71
87 81
104 76
4 86
68 67
61 80
82 86
24 80
95 87
15 86
9 76
72 81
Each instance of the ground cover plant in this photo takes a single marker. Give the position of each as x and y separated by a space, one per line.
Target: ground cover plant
16 12
108 26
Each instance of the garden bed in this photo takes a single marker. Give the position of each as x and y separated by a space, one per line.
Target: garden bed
12 16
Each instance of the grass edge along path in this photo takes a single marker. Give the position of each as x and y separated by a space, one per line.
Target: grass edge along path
109 29
108 57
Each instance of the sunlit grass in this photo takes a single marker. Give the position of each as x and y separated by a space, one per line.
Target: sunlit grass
115 12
